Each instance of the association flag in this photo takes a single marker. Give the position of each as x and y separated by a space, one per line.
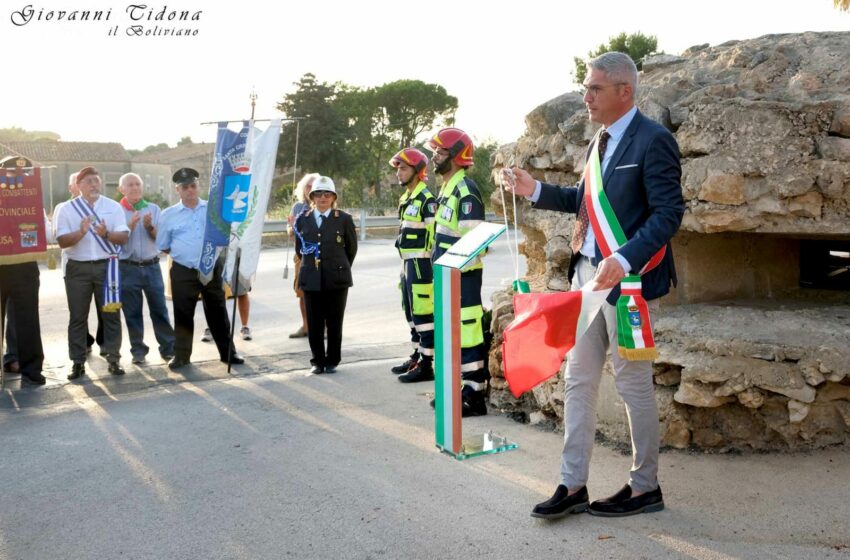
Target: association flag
545 327
249 198
228 164
22 229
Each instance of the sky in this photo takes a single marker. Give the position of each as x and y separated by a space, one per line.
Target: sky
500 59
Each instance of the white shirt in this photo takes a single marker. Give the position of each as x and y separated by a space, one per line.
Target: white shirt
319 216
67 220
616 130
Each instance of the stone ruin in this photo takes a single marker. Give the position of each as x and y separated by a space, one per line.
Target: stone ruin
755 340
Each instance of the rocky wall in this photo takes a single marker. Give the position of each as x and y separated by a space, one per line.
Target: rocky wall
748 358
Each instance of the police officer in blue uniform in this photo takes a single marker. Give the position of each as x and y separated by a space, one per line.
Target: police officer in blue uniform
460 208
327 242
415 241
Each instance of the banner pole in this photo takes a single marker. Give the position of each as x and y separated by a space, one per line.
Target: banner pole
235 288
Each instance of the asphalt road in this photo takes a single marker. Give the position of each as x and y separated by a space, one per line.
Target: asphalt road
272 462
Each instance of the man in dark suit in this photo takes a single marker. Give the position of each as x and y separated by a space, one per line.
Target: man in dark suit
327 242
641 177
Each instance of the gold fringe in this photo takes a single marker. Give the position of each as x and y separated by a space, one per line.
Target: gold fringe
111 307
638 354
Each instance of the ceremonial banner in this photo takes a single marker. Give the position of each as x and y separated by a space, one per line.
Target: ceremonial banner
248 197
22 231
229 161
544 329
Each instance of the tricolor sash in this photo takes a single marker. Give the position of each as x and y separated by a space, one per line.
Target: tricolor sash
112 283
634 328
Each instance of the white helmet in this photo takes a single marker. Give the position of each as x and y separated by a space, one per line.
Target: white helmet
323 184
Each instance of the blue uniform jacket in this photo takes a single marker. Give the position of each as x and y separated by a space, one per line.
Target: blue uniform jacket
643 184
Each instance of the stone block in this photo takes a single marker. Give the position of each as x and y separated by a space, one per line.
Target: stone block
723 189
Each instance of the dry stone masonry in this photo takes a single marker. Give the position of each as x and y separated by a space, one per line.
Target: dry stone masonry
754 354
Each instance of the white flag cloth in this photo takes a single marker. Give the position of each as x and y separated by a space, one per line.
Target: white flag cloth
261 151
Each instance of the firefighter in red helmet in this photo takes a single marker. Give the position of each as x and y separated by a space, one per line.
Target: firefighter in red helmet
415 241
460 208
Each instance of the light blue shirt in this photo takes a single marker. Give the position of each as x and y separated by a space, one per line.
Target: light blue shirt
616 130
141 246
319 216
181 231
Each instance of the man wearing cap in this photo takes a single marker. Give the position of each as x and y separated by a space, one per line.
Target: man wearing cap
180 233
140 272
327 242
90 230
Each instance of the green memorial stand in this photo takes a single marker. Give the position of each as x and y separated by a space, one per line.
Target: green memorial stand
447 384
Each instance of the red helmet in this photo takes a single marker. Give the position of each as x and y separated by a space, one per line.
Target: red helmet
457 142
415 159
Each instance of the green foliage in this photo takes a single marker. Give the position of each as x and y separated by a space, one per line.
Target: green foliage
322 132
481 171
186 140
15 134
843 5
637 46
350 133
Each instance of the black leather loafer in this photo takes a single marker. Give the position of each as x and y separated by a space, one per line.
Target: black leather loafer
622 503
317 370
330 369
115 368
561 504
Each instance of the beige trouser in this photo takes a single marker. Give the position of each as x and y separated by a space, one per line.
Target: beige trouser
581 382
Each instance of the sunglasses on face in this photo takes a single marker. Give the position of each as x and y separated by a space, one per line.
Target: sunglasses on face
321 194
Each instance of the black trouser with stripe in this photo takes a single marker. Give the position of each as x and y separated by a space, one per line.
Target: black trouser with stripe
325 308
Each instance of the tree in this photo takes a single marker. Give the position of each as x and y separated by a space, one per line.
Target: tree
412 107
15 134
637 46
481 170
321 131
186 140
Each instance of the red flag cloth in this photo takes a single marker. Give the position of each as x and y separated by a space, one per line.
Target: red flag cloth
545 327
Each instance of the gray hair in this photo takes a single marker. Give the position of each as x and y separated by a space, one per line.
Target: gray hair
618 67
72 178
127 176
302 186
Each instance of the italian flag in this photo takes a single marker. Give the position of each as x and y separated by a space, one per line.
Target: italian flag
544 329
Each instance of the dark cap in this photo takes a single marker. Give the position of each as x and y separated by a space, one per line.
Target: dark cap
13 162
185 175
85 172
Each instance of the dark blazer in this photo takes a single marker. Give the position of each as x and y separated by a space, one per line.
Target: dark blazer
338 246
646 195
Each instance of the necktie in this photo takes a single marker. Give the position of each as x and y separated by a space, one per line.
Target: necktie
580 227
319 218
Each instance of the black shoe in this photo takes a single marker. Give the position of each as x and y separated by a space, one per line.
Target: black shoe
405 367
12 367
622 503
330 369
35 378
103 352
115 368
166 357
561 504
235 359
473 404
433 404
421 372
317 370
177 363
77 371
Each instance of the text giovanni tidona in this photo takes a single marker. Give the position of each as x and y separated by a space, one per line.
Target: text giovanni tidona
145 20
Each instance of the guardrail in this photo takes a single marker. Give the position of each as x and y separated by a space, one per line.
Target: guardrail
362 221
